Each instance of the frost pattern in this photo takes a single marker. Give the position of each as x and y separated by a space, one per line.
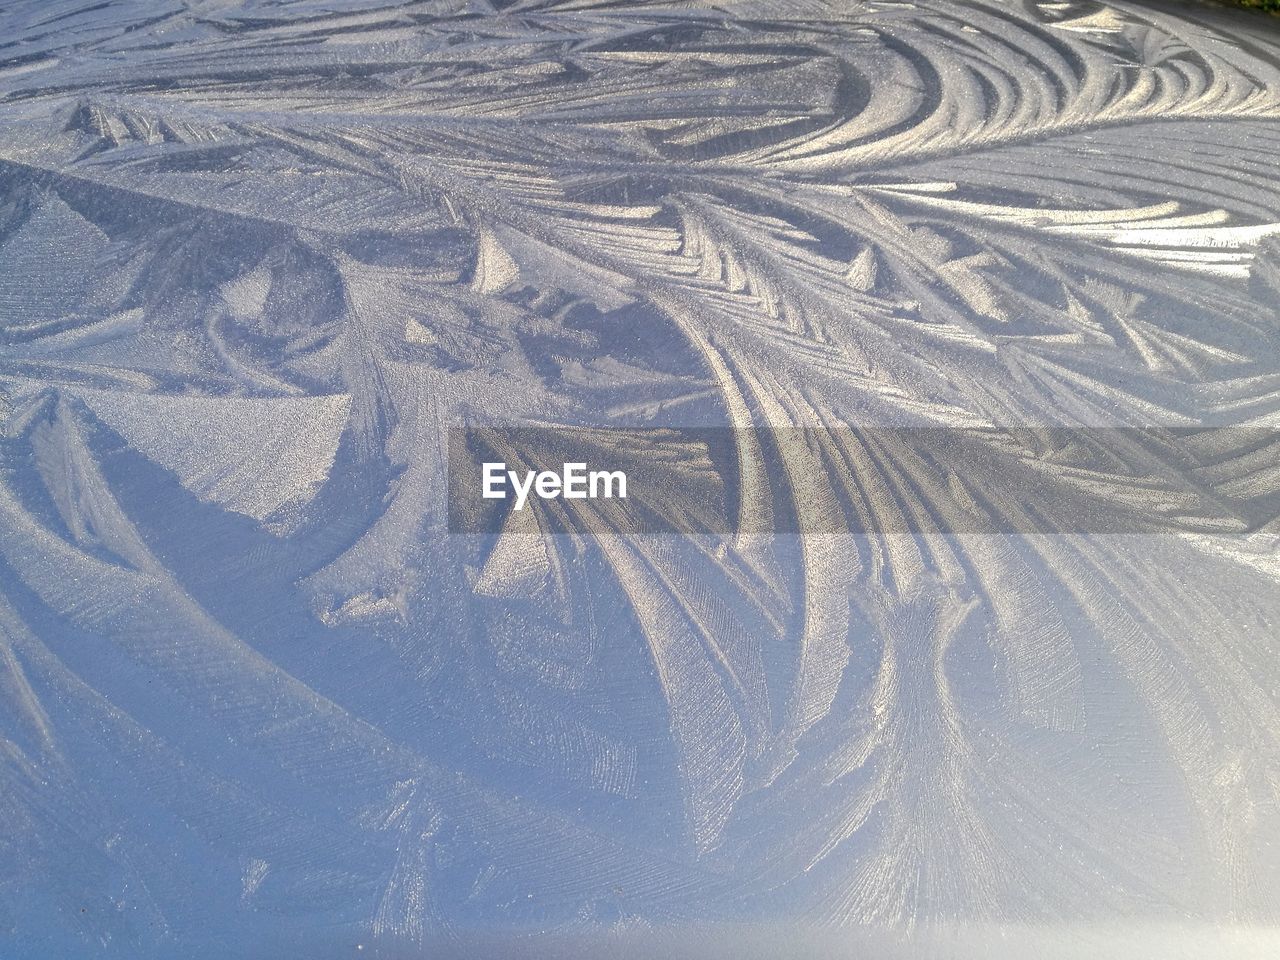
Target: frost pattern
257 257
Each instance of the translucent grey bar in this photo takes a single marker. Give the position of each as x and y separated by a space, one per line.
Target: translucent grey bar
723 481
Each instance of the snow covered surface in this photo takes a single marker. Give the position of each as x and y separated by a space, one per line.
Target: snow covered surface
258 258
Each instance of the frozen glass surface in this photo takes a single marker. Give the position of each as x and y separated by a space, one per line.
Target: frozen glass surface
269 688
